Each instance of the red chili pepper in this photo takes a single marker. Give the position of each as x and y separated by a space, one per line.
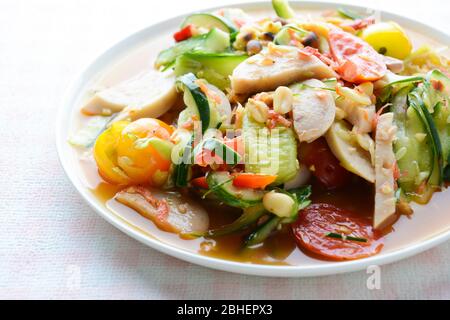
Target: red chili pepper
253 181
184 33
200 183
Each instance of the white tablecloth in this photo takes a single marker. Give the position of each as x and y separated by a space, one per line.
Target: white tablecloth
52 245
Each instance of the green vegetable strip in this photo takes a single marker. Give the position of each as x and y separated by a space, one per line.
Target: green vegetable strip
349 14
250 216
283 9
263 232
343 237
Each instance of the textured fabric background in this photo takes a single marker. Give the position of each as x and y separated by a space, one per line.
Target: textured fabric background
52 245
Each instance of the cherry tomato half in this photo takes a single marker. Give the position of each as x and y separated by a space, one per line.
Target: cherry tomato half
326 168
142 163
125 153
316 222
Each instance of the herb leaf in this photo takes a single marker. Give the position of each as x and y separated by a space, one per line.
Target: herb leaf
343 237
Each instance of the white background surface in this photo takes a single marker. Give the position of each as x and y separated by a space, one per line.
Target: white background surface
52 245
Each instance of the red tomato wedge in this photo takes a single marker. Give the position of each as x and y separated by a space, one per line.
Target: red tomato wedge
200 183
184 33
327 169
318 220
253 181
357 61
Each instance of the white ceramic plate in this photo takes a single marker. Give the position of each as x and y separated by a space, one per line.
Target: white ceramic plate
429 226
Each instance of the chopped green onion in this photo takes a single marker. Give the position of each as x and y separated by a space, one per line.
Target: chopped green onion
343 237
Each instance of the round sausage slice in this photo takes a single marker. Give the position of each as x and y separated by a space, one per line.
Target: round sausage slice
318 226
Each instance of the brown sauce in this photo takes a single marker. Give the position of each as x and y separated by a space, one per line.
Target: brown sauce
357 197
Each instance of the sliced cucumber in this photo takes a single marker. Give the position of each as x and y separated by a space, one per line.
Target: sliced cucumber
417 103
394 83
249 216
213 41
213 110
272 152
422 161
413 147
182 170
439 87
181 157
283 9
289 33
195 100
216 41
221 184
209 21
441 117
213 67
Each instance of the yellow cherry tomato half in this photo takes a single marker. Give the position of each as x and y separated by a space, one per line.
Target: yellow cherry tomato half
143 151
105 154
389 39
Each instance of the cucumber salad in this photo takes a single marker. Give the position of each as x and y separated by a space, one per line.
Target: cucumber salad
284 131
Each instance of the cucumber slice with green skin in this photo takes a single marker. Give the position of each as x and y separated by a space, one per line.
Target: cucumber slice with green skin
284 36
216 41
439 87
396 83
182 171
263 232
221 184
272 152
213 41
181 158
249 217
416 102
219 108
218 104
209 21
415 156
440 117
195 100
283 9
215 68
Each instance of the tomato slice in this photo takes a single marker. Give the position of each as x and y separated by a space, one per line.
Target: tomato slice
357 61
326 167
253 181
318 220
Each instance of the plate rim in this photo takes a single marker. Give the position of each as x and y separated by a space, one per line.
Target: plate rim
65 109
